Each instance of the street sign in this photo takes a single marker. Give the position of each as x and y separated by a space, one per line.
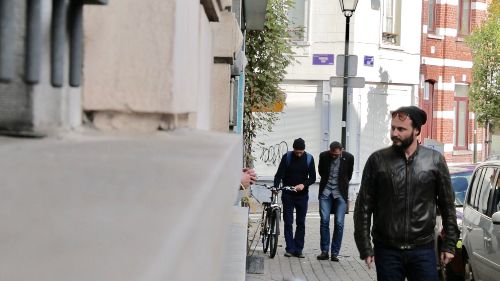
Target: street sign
352 67
322 59
368 61
352 82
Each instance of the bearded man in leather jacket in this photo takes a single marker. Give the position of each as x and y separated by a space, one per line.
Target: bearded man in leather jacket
400 188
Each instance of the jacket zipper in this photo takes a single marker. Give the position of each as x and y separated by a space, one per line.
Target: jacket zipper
407 201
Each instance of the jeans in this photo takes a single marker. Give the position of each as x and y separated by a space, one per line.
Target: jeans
294 244
325 205
418 264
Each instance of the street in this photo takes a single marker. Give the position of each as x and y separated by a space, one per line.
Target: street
282 268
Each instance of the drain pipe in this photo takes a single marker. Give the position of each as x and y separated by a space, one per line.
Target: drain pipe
7 40
58 36
76 43
33 42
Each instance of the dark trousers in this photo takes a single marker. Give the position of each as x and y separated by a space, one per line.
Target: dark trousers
418 264
294 244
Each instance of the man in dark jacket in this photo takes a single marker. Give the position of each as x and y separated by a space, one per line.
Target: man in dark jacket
400 187
295 170
335 169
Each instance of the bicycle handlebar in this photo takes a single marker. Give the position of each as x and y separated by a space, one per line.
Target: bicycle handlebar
276 188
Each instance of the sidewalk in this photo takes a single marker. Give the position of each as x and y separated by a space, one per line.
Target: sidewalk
282 268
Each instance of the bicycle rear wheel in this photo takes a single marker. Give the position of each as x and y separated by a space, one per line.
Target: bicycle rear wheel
265 231
275 230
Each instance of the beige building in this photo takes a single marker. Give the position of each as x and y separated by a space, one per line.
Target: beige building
129 165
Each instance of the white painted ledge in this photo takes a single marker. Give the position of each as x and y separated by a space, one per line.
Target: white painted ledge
117 208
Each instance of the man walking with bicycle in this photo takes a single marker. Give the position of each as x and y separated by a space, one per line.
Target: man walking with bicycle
296 169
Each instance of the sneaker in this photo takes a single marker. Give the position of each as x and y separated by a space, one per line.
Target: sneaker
323 256
288 254
300 256
334 258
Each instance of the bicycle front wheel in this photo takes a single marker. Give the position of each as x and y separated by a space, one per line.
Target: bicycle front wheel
275 230
266 230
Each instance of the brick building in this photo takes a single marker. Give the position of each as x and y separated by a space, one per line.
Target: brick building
446 64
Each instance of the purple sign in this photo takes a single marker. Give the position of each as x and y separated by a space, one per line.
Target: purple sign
323 59
369 60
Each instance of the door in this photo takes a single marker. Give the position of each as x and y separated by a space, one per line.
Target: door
426 105
301 117
477 220
492 234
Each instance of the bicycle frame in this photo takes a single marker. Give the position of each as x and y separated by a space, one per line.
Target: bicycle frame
271 215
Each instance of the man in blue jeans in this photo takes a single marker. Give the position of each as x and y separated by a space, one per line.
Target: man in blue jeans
296 169
396 206
335 168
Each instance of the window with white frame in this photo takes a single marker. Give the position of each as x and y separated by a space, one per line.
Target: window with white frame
299 21
464 8
431 22
428 89
391 23
461 121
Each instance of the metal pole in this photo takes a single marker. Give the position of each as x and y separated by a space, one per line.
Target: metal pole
7 40
346 69
474 158
58 40
76 43
34 42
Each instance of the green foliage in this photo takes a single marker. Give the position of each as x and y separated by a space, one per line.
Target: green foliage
485 89
269 53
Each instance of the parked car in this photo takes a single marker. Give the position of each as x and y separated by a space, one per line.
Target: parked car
481 224
460 178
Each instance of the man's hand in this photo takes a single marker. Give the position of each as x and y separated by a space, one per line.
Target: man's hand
299 187
248 177
369 261
445 258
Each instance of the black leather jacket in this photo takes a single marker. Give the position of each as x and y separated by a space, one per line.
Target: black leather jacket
402 196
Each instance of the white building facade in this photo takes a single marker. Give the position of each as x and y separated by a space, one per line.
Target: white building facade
388 51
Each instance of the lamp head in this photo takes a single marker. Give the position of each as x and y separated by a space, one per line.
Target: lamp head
348 6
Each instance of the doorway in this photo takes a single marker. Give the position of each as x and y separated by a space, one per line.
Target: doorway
427 105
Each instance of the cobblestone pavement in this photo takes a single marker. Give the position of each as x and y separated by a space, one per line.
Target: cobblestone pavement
309 268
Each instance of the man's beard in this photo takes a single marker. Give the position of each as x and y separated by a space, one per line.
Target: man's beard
405 143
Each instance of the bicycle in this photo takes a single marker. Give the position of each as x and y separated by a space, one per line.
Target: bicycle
270 219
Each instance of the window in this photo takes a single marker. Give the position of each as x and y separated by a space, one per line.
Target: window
485 190
391 25
299 21
476 182
461 121
482 190
464 17
431 23
428 89
496 203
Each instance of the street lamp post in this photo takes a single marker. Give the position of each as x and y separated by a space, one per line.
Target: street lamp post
348 7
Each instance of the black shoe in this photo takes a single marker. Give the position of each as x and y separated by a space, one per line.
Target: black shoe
323 256
300 255
287 254
334 258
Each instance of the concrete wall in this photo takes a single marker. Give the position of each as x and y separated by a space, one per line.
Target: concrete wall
156 59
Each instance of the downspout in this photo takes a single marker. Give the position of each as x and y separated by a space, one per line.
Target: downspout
7 40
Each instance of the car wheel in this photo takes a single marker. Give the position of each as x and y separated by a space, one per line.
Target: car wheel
468 275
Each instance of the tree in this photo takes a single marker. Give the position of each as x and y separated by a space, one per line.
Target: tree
485 89
269 52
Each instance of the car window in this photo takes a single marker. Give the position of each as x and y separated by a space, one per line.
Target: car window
496 203
460 182
485 190
472 198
